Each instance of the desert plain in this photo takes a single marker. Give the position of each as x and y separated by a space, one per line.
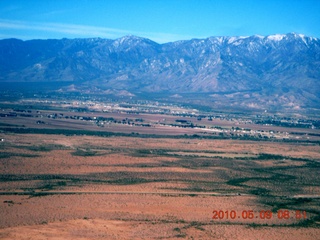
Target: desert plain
56 186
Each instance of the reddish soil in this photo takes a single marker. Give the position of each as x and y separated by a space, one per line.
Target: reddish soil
169 204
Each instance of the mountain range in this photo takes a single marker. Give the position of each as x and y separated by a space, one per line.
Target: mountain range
267 70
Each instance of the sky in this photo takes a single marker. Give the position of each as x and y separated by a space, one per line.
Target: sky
159 20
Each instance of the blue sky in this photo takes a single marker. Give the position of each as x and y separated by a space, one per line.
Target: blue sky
159 20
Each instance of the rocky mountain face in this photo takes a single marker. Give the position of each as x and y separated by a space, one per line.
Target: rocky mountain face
286 67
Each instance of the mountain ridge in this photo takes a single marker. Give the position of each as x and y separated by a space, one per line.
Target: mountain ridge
286 65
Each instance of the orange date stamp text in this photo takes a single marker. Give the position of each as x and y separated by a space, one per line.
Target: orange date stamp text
263 214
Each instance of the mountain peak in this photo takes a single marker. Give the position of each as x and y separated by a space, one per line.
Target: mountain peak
130 37
276 37
294 35
132 40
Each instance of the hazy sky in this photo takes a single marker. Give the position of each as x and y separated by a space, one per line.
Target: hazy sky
159 20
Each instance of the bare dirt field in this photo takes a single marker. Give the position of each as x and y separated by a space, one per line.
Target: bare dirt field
88 187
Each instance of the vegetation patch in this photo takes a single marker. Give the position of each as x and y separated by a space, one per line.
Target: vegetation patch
85 153
53 185
46 148
195 224
129 181
11 154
